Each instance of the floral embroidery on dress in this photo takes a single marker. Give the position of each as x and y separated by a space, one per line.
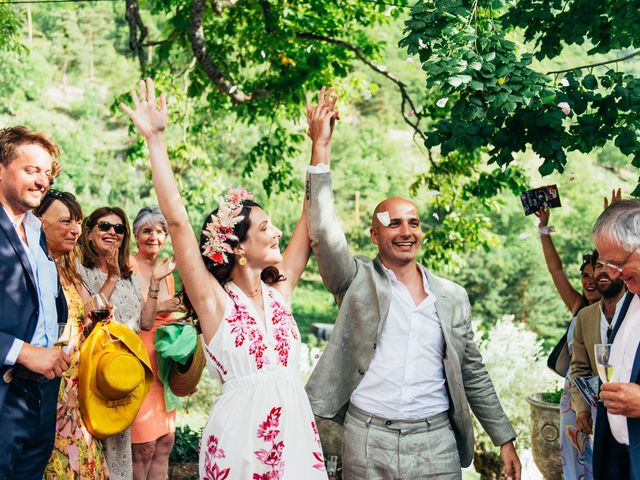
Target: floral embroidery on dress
214 453
268 431
217 362
317 455
284 325
244 327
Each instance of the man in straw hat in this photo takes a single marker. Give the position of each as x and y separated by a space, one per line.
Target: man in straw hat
401 368
31 306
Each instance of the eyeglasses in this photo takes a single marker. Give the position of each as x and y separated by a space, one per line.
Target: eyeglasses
119 228
616 267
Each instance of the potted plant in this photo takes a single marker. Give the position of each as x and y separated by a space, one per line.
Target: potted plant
545 433
183 461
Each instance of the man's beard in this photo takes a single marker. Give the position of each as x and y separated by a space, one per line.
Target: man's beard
612 290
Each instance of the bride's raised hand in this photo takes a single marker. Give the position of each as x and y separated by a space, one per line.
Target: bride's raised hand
149 115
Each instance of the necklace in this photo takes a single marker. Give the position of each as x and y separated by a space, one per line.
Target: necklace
253 293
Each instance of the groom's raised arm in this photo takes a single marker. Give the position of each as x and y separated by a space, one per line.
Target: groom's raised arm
337 266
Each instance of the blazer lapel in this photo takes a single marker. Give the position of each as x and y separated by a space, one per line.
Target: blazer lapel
444 307
383 293
18 246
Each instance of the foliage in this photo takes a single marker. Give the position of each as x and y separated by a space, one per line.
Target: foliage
488 102
552 397
490 98
10 24
186 445
517 366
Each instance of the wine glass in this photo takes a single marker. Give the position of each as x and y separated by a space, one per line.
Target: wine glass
64 335
603 361
99 307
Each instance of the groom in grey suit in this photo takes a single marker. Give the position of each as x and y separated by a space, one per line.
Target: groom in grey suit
401 368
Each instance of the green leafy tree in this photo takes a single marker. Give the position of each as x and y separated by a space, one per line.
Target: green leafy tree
488 98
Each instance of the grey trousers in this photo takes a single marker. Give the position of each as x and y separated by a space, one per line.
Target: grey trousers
376 448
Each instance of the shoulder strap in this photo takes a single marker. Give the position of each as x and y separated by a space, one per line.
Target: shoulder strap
623 313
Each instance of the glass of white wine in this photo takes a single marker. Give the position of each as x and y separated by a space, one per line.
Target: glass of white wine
64 335
603 361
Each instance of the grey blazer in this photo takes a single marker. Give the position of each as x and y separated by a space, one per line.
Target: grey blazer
362 290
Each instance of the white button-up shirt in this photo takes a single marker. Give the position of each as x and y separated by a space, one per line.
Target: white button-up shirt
406 380
604 324
623 354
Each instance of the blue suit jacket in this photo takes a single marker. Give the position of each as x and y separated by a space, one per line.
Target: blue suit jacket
603 435
18 294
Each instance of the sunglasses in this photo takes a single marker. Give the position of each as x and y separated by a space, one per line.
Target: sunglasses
119 228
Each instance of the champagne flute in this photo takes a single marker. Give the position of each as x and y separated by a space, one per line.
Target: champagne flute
64 335
603 361
99 307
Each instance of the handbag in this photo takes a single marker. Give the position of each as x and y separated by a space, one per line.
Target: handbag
559 359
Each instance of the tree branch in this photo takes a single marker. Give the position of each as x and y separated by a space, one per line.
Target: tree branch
406 99
136 40
599 64
198 44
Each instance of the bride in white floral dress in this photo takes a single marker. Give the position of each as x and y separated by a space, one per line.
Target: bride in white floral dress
263 408
239 286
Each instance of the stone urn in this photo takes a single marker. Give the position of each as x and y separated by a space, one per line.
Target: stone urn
545 436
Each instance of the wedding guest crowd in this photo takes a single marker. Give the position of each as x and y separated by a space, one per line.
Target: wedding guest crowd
398 421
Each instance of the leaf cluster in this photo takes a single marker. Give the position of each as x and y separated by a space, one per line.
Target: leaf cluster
487 97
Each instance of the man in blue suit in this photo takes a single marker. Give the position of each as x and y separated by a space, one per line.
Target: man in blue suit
31 306
617 436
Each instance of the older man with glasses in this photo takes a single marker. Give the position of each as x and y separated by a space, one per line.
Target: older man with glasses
617 435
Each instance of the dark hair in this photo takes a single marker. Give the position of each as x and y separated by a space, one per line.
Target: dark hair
587 259
222 271
91 258
65 264
13 137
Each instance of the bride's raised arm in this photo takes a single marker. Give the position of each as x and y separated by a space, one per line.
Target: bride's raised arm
205 293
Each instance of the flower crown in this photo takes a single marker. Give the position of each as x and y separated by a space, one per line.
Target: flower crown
220 229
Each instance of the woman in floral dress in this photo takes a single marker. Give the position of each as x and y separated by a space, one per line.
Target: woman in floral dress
239 286
76 454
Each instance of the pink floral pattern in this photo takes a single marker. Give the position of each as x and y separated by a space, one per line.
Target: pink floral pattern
317 455
284 326
214 453
244 327
268 431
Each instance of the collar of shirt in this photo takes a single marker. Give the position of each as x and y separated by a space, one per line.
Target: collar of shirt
32 224
425 283
605 326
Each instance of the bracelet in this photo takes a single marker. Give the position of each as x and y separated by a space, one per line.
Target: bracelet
546 230
153 290
153 295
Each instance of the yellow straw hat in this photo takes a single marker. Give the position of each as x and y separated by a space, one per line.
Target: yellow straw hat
114 378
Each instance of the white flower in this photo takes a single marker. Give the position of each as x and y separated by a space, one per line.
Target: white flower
565 107
442 102
409 59
564 82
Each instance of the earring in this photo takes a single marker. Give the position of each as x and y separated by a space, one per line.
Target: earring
242 260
